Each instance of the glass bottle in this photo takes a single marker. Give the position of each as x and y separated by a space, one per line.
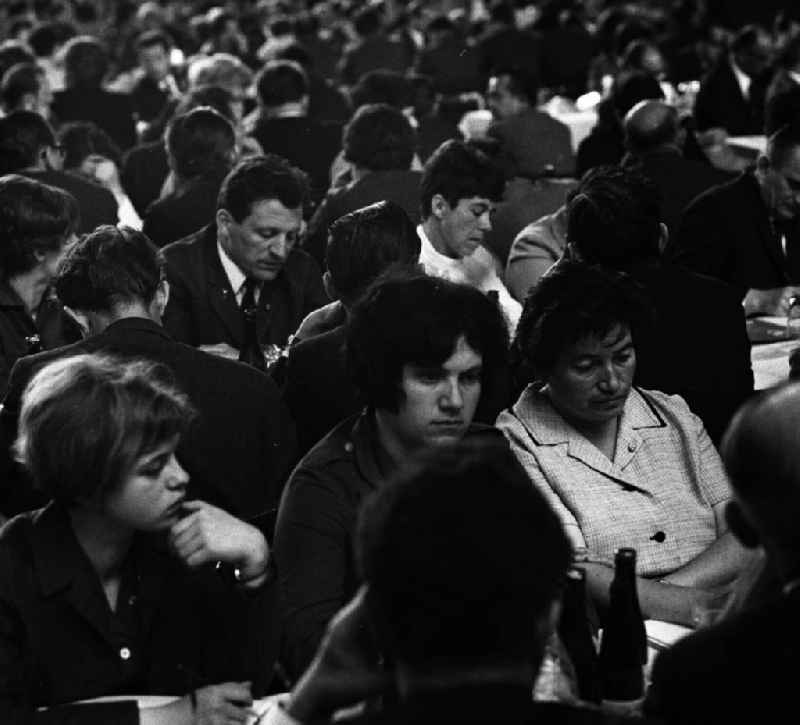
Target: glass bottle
623 650
576 634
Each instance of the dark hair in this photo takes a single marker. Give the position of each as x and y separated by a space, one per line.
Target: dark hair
47 35
783 142
782 109
259 178
633 86
522 83
151 38
18 81
86 419
613 217
364 243
367 21
215 97
408 317
634 53
34 218
436 591
200 142
82 139
111 266
379 137
281 81
85 62
457 170
746 38
296 52
23 134
382 86
13 52
572 301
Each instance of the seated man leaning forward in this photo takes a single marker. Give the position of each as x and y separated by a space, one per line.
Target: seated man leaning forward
623 467
460 186
247 253
423 352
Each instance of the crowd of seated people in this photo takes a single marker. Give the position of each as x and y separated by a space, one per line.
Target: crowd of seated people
333 333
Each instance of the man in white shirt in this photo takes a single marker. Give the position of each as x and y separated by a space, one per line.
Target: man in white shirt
460 186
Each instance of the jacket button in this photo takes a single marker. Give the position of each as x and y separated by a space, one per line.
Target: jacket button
125 653
348 447
632 446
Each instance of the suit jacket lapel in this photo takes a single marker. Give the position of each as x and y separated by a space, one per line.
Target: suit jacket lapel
221 296
769 236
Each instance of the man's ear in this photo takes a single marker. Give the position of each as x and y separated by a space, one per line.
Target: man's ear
439 206
330 288
223 218
763 166
740 526
161 297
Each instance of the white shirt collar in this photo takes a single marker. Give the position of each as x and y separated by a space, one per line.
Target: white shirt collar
235 275
741 78
795 76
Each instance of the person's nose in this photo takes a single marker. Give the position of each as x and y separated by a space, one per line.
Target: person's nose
610 381
451 399
485 221
280 248
176 475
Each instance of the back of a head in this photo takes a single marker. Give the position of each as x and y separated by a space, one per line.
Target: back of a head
382 86
408 317
82 139
613 217
368 21
630 87
366 242
458 170
109 268
46 37
437 593
34 219
200 142
19 81
379 138
651 125
13 52
85 62
23 134
280 82
761 452
219 69
260 178
522 83
215 97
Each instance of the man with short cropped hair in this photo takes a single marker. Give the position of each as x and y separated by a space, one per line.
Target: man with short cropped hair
248 254
156 86
239 447
460 186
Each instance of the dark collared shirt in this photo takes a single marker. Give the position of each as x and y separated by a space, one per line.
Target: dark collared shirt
316 523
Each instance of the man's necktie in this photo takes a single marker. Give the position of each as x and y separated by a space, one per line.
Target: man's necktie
250 351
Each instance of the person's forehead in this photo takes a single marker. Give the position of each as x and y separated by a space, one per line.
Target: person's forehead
462 357
616 338
468 202
271 212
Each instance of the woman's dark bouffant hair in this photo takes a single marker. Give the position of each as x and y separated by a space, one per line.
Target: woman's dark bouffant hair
572 301
407 317
85 421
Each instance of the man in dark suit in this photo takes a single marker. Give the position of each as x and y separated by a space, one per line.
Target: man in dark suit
379 144
28 147
247 254
745 232
732 95
654 139
283 125
697 346
744 668
537 143
239 446
361 245
201 146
